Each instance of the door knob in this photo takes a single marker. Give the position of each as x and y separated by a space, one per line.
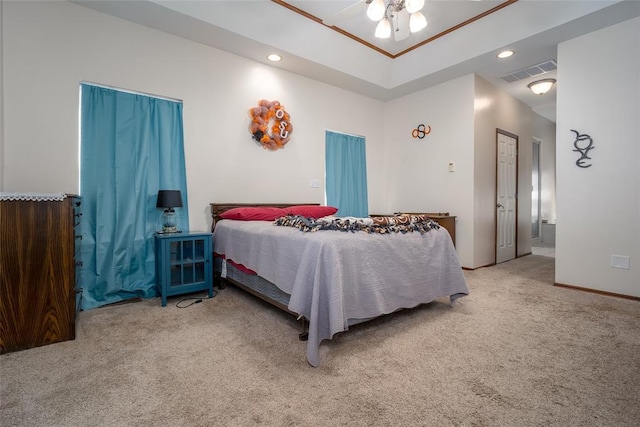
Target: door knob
499 205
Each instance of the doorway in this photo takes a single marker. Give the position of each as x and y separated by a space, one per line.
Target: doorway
506 195
536 194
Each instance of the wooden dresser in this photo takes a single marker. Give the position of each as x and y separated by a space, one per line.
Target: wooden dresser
448 222
37 271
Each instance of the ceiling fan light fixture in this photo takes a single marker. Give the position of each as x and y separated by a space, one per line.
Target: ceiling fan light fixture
376 10
417 22
414 6
383 30
385 11
540 87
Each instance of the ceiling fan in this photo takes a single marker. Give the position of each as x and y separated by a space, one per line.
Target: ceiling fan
399 19
347 12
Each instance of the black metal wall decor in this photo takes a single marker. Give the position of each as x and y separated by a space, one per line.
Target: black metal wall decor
421 131
583 144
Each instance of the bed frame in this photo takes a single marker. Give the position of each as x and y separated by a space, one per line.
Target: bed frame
219 208
442 218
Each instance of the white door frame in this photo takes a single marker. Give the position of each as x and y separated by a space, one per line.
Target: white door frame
538 205
506 203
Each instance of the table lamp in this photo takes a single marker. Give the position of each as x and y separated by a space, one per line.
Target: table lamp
169 199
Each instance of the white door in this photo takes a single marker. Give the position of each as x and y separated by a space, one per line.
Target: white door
506 198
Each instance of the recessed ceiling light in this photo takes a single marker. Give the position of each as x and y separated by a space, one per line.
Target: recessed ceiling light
274 57
505 54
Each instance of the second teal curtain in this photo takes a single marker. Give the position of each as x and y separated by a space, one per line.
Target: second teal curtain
346 174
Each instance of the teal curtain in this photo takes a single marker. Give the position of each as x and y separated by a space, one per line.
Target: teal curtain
346 174
131 146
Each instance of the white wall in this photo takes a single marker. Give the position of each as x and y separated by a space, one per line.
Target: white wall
598 208
1 97
50 47
419 179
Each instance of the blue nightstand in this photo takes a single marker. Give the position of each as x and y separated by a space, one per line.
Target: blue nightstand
183 263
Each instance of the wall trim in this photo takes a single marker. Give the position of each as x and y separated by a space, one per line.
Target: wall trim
482 266
596 291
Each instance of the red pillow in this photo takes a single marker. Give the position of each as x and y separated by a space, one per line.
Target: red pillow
253 214
311 211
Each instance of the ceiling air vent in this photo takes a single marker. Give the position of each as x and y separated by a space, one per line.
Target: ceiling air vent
532 71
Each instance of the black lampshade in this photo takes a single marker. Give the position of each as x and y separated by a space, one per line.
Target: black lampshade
169 199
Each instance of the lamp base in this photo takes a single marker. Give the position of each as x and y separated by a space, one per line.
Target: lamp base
169 231
169 223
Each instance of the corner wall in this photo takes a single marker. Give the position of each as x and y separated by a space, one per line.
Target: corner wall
496 109
463 132
598 207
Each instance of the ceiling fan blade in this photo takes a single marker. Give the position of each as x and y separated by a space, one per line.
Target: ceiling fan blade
401 25
347 12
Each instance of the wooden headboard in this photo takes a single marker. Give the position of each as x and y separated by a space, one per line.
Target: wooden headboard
218 208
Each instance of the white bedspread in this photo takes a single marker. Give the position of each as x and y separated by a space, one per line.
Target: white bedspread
334 276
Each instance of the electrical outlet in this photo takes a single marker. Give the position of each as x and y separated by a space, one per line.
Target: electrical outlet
620 261
314 183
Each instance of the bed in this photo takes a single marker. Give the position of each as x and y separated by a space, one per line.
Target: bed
333 279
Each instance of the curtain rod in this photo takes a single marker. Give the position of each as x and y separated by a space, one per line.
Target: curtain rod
134 92
345 133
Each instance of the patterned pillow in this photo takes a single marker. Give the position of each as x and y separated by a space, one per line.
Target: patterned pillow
399 219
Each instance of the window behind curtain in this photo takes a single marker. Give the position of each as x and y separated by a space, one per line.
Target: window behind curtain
131 145
346 174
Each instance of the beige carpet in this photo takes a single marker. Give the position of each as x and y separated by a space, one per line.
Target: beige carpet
516 352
